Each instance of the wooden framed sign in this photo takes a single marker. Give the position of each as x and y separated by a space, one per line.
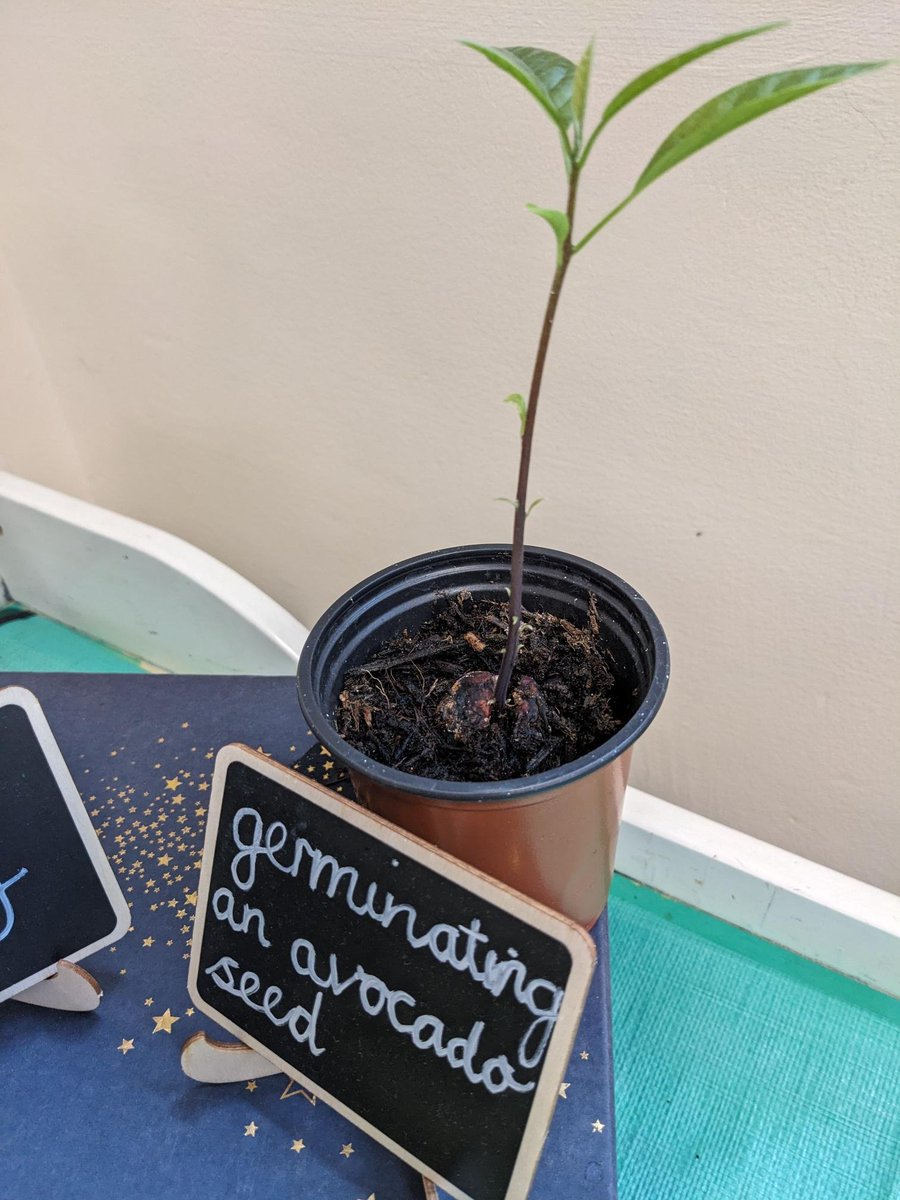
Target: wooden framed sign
429 1004
59 899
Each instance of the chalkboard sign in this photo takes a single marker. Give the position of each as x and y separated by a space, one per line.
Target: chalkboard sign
59 898
429 1004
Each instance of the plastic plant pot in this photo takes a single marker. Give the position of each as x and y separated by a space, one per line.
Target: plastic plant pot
552 835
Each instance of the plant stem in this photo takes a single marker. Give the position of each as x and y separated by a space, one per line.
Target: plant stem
601 224
517 563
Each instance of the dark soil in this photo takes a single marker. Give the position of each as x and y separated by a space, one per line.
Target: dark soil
425 704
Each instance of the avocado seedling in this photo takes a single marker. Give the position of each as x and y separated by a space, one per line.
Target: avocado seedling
488 691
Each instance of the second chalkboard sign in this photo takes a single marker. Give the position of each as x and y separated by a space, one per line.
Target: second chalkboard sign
429 1004
59 899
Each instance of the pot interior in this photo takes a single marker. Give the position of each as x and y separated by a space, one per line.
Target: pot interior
404 596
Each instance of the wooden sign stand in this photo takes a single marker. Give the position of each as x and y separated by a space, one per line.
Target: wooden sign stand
71 989
206 1060
459 984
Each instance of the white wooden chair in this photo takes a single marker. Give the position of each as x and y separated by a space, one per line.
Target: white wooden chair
136 588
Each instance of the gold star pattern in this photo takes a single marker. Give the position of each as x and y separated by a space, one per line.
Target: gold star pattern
164 1023
297 1145
564 1091
297 1091
153 839
598 1127
250 1130
347 1150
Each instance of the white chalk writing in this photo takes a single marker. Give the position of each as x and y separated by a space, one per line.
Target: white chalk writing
463 947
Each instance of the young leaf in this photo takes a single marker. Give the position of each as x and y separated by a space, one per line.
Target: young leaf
521 408
555 72
548 76
580 85
662 70
739 105
533 504
558 222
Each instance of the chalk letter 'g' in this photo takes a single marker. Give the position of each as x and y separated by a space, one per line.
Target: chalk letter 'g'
246 850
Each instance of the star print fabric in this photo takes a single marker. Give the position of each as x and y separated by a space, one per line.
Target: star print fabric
102 1107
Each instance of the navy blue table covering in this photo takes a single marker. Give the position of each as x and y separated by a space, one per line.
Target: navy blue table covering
95 1105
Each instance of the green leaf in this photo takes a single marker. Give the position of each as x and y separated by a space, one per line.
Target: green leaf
556 73
533 504
521 408
558 222
732 109
739 105
662 70
580 85
548 76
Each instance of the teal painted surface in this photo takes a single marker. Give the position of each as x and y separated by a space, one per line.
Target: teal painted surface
39 644
742 1071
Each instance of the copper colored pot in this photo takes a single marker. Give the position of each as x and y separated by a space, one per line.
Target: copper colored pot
551 835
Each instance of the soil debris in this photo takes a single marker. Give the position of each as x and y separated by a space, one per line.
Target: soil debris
425 704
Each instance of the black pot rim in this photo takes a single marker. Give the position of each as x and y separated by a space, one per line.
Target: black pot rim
495 790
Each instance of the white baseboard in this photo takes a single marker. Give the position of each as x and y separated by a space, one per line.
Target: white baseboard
848 926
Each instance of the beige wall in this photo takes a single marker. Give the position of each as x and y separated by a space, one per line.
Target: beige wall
268 274
36 435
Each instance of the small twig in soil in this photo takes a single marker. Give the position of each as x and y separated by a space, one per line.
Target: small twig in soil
400 660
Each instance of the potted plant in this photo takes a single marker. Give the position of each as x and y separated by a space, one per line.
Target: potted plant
487 698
